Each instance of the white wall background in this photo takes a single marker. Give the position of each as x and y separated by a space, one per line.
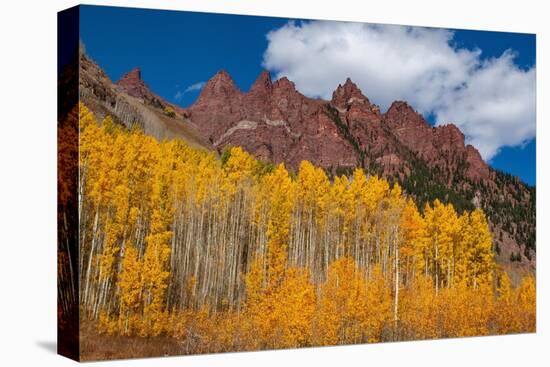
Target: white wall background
28 181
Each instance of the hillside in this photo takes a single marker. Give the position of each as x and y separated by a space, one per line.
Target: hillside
131 104
276 123
198 254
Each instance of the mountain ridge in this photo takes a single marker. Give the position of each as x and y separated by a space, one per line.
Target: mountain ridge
276 123
146 110
280 101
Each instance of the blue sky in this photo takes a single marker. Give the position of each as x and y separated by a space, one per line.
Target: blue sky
177 51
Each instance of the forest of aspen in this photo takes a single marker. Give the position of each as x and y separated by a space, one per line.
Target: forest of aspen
231 253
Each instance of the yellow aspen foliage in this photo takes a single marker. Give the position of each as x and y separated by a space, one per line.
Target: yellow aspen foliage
415 241
419 310
281 315
376 189
114 230
68 154
379 305
156 255
256 326
527 304
240 167
130 285
106 324
442 227
341 315
234 254
308 220
312 185
340 215
464 311
280 202
506 317
477 250
293 310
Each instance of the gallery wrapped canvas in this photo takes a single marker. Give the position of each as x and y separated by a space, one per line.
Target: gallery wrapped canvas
238 183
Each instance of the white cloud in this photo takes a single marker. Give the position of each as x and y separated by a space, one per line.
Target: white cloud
193 87
492 101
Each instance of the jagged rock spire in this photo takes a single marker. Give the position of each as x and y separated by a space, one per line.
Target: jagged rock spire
347 94
263 83
220 86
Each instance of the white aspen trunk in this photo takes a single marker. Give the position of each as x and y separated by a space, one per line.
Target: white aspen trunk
90 259
448 273
396 300
436 269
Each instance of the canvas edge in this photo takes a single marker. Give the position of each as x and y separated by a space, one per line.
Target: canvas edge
68 328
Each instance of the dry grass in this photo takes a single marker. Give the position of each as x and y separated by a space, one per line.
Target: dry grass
95 346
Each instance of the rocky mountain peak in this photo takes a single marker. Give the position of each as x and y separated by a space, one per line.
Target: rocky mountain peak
477 168
134 74
221 107
285 84
132 84
450 133
263 83
220 87
347 94
221 82
222 77
130 103
402 115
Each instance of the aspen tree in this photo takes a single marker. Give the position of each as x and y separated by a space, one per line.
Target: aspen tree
379 305
130 284
294 308
341 315
415 241
442 227
419 309
527 304
505 316
157 252
280 204
228 254
479 251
